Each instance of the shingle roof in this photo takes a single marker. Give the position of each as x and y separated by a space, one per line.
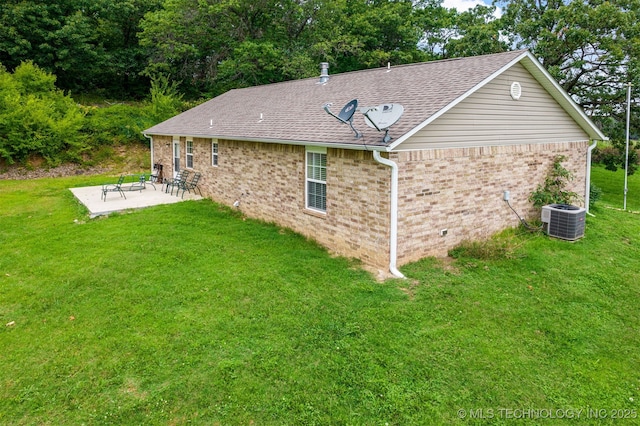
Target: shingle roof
292 111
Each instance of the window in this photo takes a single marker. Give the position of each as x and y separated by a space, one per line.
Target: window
316 179
190 154
214 153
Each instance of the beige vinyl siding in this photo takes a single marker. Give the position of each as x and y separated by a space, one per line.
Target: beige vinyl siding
490 117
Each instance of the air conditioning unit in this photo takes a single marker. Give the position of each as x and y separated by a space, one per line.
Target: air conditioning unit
564 221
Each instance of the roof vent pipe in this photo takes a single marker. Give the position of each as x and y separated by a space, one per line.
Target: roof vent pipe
324 72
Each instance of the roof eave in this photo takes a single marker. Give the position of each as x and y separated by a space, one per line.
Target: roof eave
339 145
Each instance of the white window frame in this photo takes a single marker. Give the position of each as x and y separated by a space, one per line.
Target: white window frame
312 151
214 152
188 154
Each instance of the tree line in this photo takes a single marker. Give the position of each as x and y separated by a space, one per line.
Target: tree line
116 48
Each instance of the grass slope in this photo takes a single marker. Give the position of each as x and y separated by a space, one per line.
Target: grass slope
190 314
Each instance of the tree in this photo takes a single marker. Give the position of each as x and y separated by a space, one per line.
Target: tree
87 44
376 33
592 47
436 24
477 33
213 46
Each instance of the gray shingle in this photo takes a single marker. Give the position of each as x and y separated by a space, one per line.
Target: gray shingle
292 111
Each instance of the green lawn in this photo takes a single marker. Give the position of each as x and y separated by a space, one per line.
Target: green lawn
190 314
612 185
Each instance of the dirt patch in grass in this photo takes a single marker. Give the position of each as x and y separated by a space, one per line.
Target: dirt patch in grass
130 158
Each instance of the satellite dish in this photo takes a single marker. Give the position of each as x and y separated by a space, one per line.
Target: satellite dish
382 117
346 114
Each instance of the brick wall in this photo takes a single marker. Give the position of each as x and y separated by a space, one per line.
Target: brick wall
455 189
461 190
268 181
162 154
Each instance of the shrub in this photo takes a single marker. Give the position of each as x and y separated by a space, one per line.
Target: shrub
116 125
612 156
553 190
37 119
124 123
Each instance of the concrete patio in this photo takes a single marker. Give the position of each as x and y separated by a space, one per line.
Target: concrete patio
90 196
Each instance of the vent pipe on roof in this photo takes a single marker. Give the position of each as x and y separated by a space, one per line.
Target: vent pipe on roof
324 72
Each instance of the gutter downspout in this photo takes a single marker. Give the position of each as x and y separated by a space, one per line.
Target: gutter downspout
151 148
393 232
587 194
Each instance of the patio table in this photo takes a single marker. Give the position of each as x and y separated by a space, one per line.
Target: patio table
138 182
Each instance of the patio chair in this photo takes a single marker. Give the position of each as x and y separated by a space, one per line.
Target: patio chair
144 181
192 184
113 188
156 174
177 181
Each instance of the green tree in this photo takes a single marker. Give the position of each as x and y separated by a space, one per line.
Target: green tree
58 36
477 33
36 118
373 33
436 24
592 47
87 44
124 60
216 45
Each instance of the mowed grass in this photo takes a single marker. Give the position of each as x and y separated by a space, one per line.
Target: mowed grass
192 314
612 185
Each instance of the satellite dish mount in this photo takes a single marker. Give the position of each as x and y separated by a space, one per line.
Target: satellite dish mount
346 115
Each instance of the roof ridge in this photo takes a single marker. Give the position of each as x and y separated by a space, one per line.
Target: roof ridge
365 70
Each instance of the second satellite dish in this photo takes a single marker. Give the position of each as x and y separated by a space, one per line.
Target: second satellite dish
382 117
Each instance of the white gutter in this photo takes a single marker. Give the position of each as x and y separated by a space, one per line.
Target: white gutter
587 194
356 146
393 232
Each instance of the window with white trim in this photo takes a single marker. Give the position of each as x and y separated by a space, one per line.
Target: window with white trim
214 153
190 154
316 179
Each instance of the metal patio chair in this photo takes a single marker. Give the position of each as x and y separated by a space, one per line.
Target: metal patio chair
176 182
117 187
156 174
189 185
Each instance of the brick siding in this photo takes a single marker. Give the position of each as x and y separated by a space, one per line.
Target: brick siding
461 190
455 189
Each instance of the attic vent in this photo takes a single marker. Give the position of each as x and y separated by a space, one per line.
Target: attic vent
324 72
516 90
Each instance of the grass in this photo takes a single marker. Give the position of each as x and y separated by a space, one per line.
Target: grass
612 185
192 314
